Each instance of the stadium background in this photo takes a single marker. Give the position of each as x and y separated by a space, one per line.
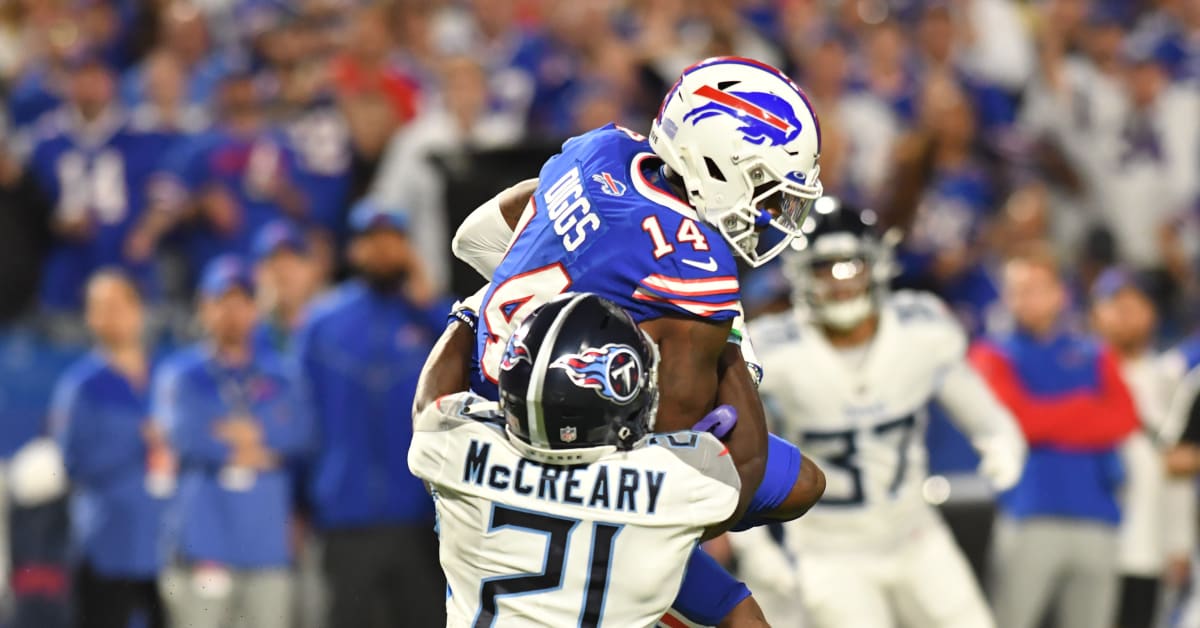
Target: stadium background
949 117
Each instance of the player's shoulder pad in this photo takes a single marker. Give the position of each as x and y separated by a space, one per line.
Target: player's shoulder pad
926 314
701 451
451 411
772 331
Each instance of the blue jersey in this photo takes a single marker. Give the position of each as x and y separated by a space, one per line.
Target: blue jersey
244 166
101 175
603 222
320 140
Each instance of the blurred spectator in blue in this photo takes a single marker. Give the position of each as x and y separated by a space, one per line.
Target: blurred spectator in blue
182 34
1056 545
1130 135
117 462
943 198
374 91
286 279
488 32
165 109
884 69
1158 527
985 46
95 167
361 351
858 129
235 418
319 135
226 183
409 175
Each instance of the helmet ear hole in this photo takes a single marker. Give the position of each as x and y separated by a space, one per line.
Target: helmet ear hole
714 171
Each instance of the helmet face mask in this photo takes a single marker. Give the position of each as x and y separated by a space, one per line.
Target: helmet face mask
840 269
578 381
745 141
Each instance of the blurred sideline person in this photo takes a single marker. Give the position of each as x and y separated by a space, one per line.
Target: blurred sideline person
1158 527
114 457
873 553
285 281
235 418
360 353
1055 545
571 443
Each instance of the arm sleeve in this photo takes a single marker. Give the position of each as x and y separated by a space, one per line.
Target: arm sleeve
189 435
1076 420
482 239
708 592
978 413
92 452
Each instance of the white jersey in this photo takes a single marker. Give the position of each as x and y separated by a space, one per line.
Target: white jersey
527 544
860 415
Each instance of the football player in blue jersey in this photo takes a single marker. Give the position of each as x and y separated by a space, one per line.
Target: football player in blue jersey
658 226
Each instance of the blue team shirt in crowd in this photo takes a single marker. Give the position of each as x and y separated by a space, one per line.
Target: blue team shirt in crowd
242 165
212 518
360 353
97 416
603 222
319 139
103 173
1061 482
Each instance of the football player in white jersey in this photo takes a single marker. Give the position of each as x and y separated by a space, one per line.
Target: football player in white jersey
532 535
848 373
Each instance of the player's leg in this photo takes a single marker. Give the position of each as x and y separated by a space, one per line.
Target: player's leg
199 597
265 598
767 568
1028 560
841 590
1089 590
936 588
351 562
415 581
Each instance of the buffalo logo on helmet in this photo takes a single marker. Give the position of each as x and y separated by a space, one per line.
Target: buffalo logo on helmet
765 117
614 371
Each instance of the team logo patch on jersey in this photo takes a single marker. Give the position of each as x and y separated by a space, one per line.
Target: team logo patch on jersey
766 118
614 371
568 434
609 185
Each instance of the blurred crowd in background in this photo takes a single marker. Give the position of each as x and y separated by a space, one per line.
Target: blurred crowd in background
259 174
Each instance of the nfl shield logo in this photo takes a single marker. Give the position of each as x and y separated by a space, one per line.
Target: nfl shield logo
567 434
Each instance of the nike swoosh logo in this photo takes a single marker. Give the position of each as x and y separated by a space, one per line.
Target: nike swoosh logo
709 266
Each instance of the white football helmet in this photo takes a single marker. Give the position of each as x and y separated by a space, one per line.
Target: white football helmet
745 140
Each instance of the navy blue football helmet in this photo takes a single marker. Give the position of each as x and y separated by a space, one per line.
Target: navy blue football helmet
578 380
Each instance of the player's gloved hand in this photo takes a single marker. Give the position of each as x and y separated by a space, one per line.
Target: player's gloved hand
467 310
1000 462
719 422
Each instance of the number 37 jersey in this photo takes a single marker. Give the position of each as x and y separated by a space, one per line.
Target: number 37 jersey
602 221
530 544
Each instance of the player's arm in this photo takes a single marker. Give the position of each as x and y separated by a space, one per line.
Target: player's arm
482 239
699 369
746 614
991 428
447 369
